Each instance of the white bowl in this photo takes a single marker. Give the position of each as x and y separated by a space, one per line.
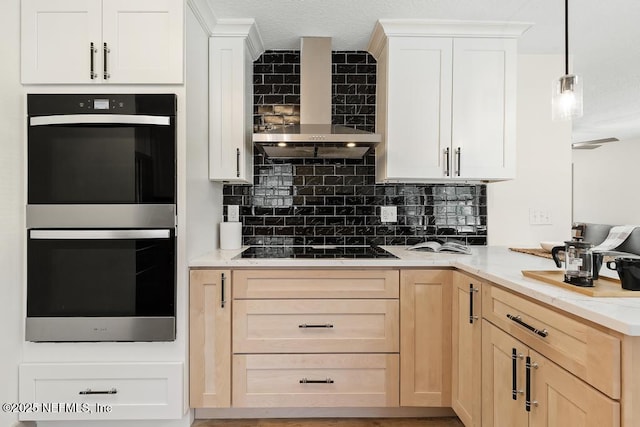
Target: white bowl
547 246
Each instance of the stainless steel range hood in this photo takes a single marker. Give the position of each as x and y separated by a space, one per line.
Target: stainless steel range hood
315 136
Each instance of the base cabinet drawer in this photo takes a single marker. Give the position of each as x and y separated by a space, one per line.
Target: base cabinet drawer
306 284
315 326
315 380
127 391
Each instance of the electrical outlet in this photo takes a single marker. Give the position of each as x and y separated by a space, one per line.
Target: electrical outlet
233 213
389 213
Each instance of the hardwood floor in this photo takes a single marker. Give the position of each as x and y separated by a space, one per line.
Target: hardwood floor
334 422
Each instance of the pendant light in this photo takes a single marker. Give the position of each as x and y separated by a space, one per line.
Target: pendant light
566 101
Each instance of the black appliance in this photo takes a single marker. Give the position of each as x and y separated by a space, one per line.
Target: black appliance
331 252
101 217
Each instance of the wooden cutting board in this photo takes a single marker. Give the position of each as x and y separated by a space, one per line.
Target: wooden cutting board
533 251
604 286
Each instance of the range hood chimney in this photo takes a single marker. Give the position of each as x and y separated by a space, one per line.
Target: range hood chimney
315 136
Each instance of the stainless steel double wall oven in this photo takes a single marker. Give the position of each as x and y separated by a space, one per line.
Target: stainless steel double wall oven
101 217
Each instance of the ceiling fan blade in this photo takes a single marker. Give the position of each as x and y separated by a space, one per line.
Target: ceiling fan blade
591 144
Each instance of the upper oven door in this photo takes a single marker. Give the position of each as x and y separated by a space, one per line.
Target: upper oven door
101 155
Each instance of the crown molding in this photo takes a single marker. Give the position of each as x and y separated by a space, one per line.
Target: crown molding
386 28
203 12
246 28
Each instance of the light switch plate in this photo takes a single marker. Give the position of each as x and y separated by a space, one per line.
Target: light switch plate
539 216
389 213
233 213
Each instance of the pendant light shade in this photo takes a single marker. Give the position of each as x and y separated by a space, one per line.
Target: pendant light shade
566 101
566 98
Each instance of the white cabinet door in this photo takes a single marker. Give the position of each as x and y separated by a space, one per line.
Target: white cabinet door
56 40
134 41
144 41
483 128
231 110
418 108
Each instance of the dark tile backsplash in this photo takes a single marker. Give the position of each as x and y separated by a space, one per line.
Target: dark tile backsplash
276 88
336 201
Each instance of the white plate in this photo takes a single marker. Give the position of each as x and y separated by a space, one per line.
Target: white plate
547 246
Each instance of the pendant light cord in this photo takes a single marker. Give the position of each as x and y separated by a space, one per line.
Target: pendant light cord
566 37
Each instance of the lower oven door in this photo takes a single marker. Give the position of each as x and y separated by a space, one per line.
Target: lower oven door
101 285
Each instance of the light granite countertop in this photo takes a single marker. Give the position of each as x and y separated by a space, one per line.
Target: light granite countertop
495 264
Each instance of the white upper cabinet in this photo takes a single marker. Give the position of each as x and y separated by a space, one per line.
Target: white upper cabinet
445 100
233 47
483 130
145 40
415 121
102 41
60 39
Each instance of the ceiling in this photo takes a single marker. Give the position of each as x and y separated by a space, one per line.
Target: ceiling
604 40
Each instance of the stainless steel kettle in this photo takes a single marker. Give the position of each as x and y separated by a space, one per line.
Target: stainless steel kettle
581 264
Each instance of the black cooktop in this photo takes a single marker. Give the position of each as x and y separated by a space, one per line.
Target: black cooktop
336 252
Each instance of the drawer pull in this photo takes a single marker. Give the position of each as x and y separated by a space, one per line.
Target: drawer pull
89 391
543 333
325 325
326 381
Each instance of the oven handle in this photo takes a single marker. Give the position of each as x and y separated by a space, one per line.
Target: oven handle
99 234
78 119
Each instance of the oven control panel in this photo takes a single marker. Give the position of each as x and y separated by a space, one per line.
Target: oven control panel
63 104
101 104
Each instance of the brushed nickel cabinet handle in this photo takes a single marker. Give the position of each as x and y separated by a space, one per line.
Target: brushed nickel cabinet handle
89 391
541 332
446 162
472 290
237 163
514 373
528 402
92 51
223 280
325 381
105 68
325 325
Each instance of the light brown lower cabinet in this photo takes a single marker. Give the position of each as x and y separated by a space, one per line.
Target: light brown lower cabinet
522 388
425 339
209 338
293 341
466 348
